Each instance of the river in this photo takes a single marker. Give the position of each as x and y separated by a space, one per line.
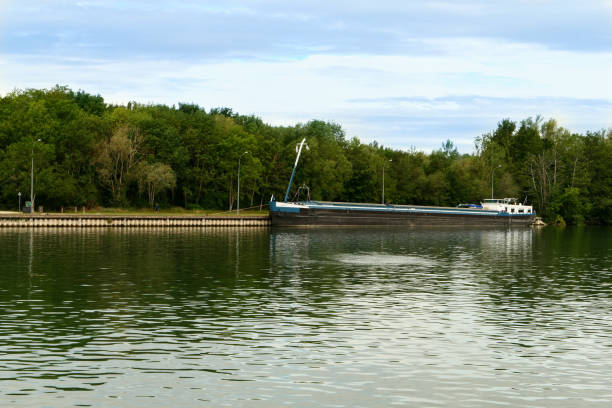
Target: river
313 317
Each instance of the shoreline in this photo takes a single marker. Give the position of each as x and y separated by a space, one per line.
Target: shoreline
16 220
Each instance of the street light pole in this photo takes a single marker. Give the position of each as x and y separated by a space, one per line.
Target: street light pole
493 171
238 204
383 189
32 183
32 209
19 208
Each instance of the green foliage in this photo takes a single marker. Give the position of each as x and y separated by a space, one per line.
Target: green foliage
117 158
571 206
153 178
87 152
559 221
566 176
325 167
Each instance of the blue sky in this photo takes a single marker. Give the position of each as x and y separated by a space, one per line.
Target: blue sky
403 73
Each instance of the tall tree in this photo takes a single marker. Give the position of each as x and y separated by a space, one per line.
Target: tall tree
153 178
117 158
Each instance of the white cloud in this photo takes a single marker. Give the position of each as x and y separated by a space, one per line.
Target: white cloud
348 89
391 71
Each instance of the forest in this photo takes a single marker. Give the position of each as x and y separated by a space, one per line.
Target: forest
93 154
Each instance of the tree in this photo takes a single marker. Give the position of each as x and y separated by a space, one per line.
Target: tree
89 153
15 168
598 156
153 178
571 205
117 158
325 169
364 185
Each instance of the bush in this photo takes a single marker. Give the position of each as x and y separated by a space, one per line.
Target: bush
559 221
191 206
570 206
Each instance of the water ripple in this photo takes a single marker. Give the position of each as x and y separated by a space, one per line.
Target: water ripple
321 317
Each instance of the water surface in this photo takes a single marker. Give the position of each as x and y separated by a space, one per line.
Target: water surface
316 317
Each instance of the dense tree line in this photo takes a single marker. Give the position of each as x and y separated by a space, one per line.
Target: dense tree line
89 153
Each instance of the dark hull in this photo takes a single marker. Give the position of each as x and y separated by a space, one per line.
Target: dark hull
327 217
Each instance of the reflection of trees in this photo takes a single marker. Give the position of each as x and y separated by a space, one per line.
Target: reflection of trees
90 280
553 290
213 283
560 263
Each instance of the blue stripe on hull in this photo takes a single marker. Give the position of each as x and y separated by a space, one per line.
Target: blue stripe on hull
342 207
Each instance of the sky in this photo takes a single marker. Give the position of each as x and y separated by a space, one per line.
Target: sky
407 74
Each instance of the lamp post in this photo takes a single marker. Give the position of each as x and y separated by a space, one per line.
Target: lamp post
32 210
383 186
238 205
493 171
19 208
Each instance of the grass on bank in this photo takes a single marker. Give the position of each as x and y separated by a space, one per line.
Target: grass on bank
164 212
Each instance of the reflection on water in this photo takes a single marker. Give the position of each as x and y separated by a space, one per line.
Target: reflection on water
323 317
378 258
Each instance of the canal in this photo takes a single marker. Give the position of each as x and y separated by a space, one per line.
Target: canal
261 317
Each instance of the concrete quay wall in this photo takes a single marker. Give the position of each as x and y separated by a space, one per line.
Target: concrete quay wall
112 221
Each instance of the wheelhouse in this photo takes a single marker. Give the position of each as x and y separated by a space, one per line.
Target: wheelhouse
506 205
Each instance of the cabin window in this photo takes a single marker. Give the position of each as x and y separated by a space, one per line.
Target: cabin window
520 211
512 209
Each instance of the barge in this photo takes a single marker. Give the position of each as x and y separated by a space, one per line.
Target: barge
502 212
491 212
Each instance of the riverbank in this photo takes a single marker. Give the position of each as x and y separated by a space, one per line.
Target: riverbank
20 220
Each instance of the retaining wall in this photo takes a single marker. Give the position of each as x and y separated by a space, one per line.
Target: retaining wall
129 221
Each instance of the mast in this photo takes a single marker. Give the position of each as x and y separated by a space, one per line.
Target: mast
299 151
